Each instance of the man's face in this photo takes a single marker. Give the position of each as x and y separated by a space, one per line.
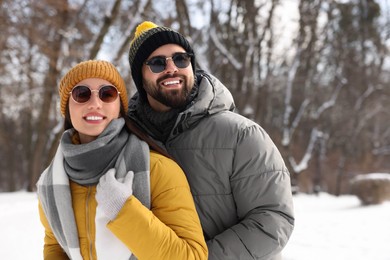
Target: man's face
170 87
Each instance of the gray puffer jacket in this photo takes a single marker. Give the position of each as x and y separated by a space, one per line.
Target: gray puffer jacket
238 178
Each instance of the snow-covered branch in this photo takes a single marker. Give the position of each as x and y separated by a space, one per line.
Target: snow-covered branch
385 150
370 89
236 63
366 117
55 131
303 164
287 130
329 103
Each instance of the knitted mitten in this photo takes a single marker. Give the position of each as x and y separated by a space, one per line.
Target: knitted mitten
112 194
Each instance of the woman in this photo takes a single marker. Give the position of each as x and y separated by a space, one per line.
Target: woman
105 195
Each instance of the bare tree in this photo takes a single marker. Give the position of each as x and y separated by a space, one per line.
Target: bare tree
321 92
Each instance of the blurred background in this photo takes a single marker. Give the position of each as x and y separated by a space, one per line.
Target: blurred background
313 73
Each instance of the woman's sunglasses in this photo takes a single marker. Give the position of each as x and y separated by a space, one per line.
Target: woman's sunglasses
107 93
158 64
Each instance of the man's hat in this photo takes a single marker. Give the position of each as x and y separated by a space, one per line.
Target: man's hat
147 38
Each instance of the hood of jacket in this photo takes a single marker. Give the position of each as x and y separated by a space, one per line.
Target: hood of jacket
212 97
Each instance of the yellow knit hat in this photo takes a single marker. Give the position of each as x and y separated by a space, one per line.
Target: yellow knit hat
91 69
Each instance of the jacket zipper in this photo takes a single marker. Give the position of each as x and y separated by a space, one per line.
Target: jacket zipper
88 222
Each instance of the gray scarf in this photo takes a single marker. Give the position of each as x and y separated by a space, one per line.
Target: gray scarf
160 124
85 164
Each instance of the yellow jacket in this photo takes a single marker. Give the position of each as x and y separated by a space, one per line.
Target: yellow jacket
170 230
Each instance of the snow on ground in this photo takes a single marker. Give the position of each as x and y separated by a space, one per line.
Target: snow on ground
21 233
327 228
330 228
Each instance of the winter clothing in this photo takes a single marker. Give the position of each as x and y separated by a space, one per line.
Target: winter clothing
84 164
170 230
237 176
91 69
112 194
148 37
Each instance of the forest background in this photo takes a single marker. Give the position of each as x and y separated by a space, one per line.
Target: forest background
313 73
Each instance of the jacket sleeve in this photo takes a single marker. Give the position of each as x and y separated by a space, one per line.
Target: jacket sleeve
171 229
261 188
51 249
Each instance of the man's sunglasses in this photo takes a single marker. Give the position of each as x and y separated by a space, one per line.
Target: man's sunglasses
158 64
107 93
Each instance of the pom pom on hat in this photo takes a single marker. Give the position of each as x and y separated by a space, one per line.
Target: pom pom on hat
147 38
91 69
142 28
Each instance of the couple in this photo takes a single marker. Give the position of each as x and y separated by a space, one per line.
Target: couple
224 193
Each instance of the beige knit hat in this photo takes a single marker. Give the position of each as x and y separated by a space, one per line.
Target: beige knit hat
91 69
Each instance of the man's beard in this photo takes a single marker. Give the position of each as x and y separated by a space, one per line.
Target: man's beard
176 98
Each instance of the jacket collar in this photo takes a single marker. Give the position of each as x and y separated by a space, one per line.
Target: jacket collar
213 97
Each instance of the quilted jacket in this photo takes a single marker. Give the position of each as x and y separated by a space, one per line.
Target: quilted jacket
237 176
170 230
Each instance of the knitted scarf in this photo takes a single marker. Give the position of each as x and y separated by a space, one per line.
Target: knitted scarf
160 124
84 164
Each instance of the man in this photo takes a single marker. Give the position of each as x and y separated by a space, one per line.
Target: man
239 181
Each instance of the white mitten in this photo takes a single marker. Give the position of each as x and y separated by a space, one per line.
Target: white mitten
112 194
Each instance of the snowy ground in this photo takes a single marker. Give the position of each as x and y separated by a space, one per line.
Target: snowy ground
327 228
330 228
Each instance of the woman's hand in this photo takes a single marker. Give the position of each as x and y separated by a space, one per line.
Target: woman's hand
111 194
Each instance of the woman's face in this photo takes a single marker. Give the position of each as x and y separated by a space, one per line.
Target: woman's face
92 117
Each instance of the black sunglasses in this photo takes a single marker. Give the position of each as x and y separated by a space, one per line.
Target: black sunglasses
107 93
158 64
